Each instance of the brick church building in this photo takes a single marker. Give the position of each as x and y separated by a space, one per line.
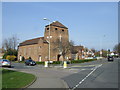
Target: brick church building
38 48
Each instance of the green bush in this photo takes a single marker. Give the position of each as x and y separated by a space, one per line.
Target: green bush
23 59
39 62
11 57
29 58
56 62
82 61
72 61
10 52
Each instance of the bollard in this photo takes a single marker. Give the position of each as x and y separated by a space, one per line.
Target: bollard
65 64
46 64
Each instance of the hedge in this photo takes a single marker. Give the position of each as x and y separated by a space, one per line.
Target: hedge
72 61
82 61
11 57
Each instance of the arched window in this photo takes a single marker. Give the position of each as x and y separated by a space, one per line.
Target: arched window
56 29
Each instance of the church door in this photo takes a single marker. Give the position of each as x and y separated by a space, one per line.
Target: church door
58 57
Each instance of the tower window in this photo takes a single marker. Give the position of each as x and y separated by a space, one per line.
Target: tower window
47 28
63 30
56 29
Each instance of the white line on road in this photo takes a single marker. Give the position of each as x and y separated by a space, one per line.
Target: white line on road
86 77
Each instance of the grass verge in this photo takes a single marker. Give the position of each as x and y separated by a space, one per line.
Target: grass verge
14 79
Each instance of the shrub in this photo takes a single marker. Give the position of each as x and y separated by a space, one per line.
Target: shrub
81 61
10 52
23 59
39 62
29 58
56 62
11 57
72 61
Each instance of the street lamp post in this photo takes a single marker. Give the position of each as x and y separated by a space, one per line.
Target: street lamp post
101 43
49 38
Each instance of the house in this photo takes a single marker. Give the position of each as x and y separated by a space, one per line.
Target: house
77 52
1 53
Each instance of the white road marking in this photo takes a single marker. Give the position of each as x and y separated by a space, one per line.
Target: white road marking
86 77
85 65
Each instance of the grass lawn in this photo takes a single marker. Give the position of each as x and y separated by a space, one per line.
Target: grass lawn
14 79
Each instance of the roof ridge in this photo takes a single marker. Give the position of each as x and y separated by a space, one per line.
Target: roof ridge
30 41
58 24
33 39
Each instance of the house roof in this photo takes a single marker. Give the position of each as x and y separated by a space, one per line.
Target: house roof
78 47
31 41
57 24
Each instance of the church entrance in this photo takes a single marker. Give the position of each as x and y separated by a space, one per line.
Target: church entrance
58 57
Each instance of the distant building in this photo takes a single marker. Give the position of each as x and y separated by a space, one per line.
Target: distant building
77 53
1 53
80 52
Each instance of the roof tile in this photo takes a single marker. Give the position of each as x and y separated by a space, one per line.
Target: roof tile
31 41
58 24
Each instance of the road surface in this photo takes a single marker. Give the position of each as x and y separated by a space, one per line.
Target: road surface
95 74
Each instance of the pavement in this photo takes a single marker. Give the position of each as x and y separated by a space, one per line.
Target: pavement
95 74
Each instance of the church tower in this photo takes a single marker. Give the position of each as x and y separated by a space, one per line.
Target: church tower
53 32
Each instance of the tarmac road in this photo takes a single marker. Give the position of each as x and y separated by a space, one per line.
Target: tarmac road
95 74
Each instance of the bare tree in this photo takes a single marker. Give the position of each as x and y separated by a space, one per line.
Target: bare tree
10 43
64 47
14 41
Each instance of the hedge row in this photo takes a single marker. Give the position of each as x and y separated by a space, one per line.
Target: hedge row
72 61
54 62
82 61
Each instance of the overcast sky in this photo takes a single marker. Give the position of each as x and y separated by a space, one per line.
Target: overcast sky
91 24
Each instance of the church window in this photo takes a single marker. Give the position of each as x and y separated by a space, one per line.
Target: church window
63 30
47 28
56 29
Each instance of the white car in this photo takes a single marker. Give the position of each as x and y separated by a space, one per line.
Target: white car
5 62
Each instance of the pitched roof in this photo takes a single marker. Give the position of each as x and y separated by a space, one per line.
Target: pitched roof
57 24
78 47
31 41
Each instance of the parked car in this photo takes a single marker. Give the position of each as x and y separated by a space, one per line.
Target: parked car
30 62
5 63
110 58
